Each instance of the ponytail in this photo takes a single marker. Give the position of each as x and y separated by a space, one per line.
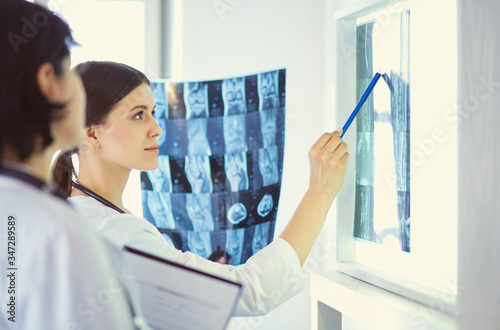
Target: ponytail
63 172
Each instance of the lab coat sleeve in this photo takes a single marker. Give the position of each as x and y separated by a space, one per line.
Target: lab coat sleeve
270 277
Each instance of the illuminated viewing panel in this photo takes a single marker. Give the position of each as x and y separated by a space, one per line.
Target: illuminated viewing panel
397 209
382 202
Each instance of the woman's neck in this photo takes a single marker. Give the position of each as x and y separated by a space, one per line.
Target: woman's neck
106 180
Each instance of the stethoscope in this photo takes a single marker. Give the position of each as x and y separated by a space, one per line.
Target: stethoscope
96 196
30 179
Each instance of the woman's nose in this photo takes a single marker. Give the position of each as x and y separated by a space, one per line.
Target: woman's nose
156 130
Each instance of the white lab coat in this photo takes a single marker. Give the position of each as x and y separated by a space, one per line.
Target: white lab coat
63 278
269 277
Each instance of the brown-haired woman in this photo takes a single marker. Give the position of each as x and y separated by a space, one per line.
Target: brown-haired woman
122 135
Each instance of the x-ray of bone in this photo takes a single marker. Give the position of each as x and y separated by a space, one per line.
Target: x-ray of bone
196 99
382 202
197 169
160 177
260 234
217 186
268 90
233 93
235 166
199 211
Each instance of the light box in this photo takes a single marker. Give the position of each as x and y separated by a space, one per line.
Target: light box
397 210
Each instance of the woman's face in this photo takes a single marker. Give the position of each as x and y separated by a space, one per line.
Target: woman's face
128 137
69 131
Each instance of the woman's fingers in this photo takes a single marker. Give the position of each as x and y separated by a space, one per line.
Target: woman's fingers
328 159
325 139
329 143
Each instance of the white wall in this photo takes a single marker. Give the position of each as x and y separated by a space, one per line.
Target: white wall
228 38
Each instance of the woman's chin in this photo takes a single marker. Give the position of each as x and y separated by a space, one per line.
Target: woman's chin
150 166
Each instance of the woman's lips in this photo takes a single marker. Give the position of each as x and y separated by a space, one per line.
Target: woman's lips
153 149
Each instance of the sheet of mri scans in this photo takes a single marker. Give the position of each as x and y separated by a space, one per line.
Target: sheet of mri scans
216 189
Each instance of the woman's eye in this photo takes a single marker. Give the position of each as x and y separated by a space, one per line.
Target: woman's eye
139 115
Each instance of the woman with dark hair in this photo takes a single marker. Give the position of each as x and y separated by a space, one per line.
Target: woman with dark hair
57 268
122 135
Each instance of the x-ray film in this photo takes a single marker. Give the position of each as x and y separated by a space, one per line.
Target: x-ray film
217 186
382 200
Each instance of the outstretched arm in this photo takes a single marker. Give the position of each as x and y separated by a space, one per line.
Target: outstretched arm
328 162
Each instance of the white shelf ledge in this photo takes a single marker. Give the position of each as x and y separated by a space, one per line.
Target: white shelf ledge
371 306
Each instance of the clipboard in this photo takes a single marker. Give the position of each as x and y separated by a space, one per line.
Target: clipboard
173 296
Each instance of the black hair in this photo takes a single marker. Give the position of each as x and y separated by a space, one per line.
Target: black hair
106 84
30 35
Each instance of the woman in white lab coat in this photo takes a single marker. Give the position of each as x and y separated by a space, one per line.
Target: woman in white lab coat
55 273
122 134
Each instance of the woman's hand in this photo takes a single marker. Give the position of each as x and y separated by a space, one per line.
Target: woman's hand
328 162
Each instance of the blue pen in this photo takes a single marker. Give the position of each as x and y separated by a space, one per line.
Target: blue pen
360 103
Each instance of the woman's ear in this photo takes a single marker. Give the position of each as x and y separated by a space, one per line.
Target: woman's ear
91 137
47 82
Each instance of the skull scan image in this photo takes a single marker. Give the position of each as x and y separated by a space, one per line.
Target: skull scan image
199 210
235 165
237 213
268 90
233 93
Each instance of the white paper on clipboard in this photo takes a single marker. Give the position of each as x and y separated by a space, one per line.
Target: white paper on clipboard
174 296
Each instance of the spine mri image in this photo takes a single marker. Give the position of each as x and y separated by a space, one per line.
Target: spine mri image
382 202
216 189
